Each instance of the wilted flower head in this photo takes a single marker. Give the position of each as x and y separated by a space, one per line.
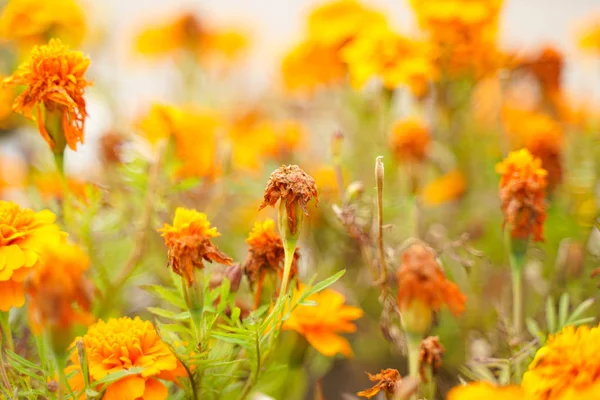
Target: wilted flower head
410 140
265 255
59 293
430 355
387 380
322 323
23 235
54 81
120 345
294 187
32 22
546 66
522 192
485 390
189 243
566 367
423 287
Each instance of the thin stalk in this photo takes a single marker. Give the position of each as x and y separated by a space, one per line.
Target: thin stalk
6 331
413 343
428 388
517 288
379 179
61 363
289 248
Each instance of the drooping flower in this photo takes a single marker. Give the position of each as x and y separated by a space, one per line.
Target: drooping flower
485 390
423 288
59 293
294 187
430 356
447 187
189 243
566 367
394 59
322 323
265 256
387 381
121 344
54 86
522 193
410 140
34 22
23 236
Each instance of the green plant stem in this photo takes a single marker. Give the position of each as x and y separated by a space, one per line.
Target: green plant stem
428 388
61 364
517 286
413 343
289 248
6 331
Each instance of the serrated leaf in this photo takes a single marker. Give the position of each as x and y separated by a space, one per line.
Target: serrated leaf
170 295
550 315
183 316
327 282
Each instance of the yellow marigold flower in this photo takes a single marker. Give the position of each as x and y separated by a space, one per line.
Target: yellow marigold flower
566 368
410 140
485 390
338 22
446 188
522 193
322 323
387 380
294 187
310 66
158 124
54 81
7 96
189 243
59 293
121 344
423 288
23 235
589 37
34 22
265 255
393 58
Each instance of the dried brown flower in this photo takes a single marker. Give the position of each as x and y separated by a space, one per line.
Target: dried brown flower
294 187
430 355
387 380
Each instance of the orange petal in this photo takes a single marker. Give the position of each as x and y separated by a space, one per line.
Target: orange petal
12 294
155 390
129 388
329 344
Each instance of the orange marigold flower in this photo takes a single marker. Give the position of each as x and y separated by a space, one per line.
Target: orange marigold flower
33 22
23 235
387 380
50 186
546 66
589 37
522 192
265 255
294 187
567 367
430 356
485 390
59 293
421 280
321 324
393 58
157 124
54 81
121 344
410 140
446 188
189 243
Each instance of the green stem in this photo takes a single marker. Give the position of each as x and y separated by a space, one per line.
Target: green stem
61 364
517 286
429 388
289 248
6 331
413 343
194 299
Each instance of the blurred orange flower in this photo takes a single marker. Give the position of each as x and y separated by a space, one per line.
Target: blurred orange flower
387 380
566 367
410 140
485 390
23 235
423 287
321 324
50 186
157 124
59 294
121 344
523 184
34 22
589 37
395 59
189 243
546 66
265 255
55 82
447 187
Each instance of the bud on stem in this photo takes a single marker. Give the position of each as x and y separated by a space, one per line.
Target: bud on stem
193 293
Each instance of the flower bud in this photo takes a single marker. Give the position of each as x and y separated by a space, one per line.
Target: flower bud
234 274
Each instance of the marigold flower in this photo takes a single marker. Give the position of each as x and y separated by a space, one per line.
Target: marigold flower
410 140
50 186
157 124
294 187
546 66
447 187
33 22
23 235
55 82
387 380
522 192
393 58
423 285
56 285
321 324
566 367
430 356
189 243
121 344
265 254
589 37
485 390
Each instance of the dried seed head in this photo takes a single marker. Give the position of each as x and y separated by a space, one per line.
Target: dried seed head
431 351
387 380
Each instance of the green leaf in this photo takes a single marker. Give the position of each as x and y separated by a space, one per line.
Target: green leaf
563 310
583 321
115 376
550 315
170 295
534 328
327 282
183 316
579 310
